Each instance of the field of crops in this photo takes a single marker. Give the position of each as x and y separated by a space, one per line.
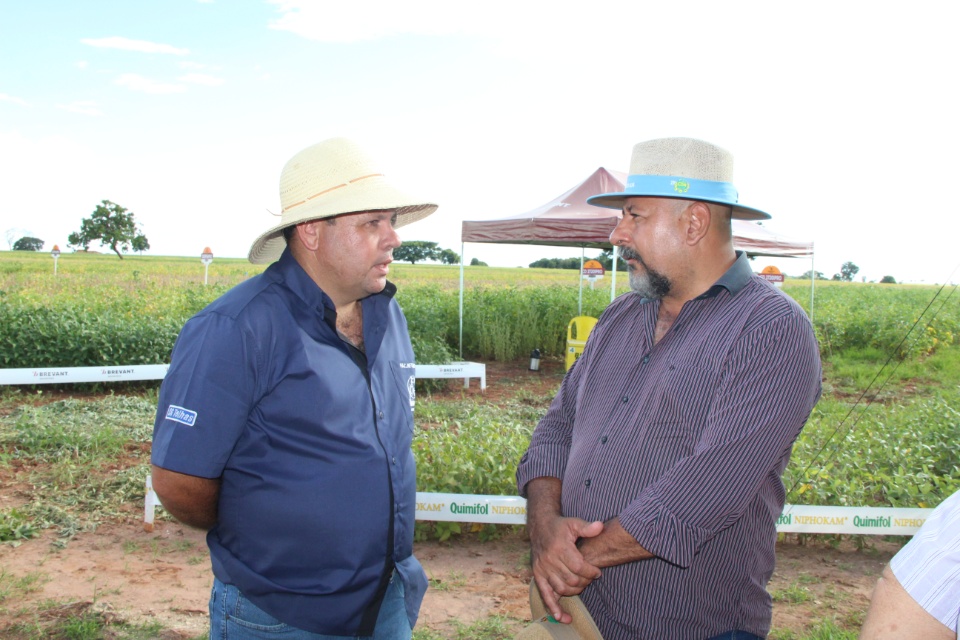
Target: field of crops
876 340
884 433
101 310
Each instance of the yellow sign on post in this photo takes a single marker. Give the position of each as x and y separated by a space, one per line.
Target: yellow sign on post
577 332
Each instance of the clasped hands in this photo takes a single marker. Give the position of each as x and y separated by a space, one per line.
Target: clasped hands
560 567
568 554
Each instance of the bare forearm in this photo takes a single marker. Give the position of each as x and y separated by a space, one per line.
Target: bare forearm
190 499
543 503
614 546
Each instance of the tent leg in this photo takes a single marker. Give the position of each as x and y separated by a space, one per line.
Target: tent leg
613 284
583 251
813 277
460 339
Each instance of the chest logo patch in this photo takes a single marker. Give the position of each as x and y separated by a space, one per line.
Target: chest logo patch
181 415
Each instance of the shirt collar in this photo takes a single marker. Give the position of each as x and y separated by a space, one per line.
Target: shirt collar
289 271
735 278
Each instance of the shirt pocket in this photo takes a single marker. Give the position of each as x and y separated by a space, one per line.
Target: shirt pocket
404 376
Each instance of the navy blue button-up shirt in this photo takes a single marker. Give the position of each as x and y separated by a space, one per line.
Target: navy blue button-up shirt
685 441
318 482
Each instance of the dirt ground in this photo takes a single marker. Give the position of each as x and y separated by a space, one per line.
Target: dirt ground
164 576
128 573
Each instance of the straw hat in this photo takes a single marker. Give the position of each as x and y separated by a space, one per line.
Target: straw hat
680 168
545 627
328 179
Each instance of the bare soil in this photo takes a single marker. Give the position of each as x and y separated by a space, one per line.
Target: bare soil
126 573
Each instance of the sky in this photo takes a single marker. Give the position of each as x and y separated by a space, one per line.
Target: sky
841 116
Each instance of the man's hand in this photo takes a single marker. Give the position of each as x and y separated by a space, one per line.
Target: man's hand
559 568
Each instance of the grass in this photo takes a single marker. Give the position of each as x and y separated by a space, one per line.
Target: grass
82 621
823 629
492 628
454 580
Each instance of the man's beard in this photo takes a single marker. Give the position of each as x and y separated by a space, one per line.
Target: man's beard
648 282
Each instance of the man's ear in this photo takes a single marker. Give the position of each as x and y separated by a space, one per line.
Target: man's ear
697 217
308 234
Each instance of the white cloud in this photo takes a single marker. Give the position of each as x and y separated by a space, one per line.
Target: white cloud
81 64
13 100
83 107
126 44
136 82
350 22
198 66
201 78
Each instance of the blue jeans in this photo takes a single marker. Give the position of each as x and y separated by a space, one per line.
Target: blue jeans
233 617
730 635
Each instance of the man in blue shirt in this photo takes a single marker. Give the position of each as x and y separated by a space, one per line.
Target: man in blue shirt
285 420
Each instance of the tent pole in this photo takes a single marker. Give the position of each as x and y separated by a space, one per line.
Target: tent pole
813 277
583 250
460 340
613 284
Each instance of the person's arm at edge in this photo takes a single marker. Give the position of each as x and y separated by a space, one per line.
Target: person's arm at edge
559 568
895 615
190 499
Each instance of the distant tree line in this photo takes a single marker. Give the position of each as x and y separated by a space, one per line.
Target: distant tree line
414 251
605 258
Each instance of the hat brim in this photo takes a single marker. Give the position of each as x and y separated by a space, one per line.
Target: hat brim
373 194
582 622
616 200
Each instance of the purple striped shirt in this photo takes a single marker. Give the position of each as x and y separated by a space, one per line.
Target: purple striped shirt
685 441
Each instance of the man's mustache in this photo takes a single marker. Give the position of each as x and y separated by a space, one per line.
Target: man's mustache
630 254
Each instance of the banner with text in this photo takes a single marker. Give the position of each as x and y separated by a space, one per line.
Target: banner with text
451 507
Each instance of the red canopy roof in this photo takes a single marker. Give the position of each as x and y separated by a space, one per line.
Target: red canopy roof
569 221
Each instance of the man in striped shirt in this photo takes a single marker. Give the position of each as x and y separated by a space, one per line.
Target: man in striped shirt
654 480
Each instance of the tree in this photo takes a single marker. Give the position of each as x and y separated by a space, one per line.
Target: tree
888 280
847 271
416 250
817 274
478 263
113 226
28 243
448 256
140 244
556 263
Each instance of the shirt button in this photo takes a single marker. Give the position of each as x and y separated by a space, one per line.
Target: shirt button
625 399
646 359
586 483
603 439
394 460
381 415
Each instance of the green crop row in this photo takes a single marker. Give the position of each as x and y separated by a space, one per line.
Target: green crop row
102 310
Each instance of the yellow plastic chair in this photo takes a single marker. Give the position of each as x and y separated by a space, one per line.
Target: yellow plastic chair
577 332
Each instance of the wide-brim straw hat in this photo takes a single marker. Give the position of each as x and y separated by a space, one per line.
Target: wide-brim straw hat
545 627
684 168
332 178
